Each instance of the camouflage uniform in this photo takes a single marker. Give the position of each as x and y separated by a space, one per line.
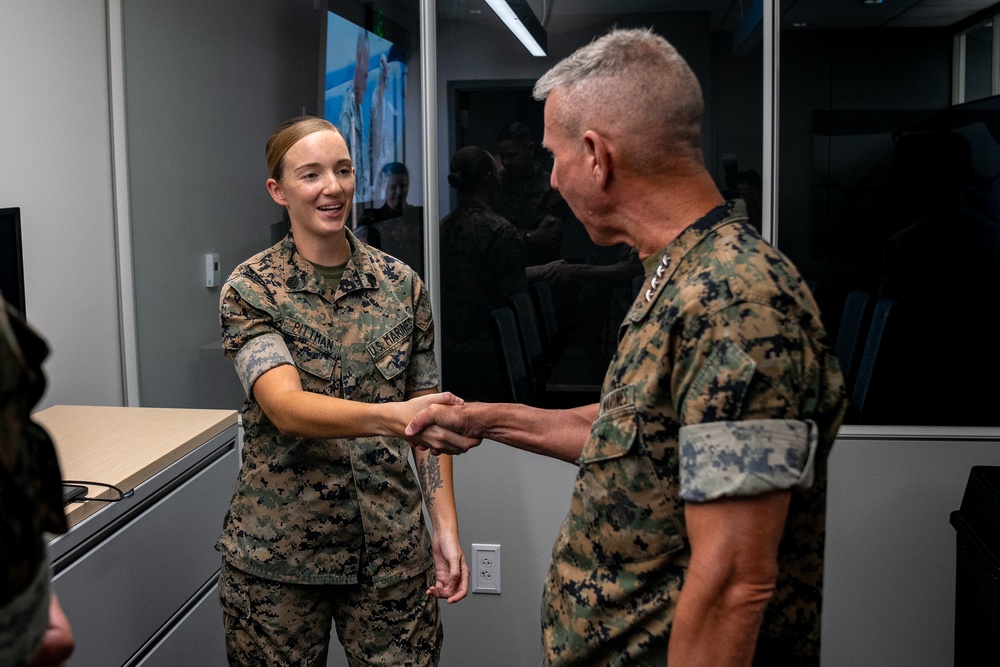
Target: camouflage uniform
721 386
316 511
482 264
531 204
30 492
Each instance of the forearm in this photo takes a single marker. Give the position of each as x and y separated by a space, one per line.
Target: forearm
729 581
301 413
620 273
716 623
559 434
436 484
310 415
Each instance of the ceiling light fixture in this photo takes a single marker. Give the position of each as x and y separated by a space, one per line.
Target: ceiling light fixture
518 17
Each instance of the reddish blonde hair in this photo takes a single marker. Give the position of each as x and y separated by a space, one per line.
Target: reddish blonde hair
286 135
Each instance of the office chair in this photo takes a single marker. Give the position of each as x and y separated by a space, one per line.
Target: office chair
537 361
545 307
872 359
519 383
853 321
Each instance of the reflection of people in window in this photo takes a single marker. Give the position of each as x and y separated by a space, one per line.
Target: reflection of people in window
526 197
395 226
482 264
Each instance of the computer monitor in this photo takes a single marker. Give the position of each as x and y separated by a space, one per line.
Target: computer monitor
11 258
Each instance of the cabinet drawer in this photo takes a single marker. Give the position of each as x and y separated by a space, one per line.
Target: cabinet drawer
199 638
124 589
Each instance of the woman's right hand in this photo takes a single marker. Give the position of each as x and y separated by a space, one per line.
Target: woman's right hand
438 440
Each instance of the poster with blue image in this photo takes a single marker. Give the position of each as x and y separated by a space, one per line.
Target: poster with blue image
365 83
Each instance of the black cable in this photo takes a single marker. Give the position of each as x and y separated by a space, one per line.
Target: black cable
122 495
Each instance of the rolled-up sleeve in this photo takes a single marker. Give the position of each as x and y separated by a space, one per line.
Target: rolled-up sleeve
260 355
250 336
738 459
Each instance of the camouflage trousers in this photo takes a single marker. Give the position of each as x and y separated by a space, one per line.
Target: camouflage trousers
270 623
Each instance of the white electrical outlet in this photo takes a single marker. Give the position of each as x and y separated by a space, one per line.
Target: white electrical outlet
486 568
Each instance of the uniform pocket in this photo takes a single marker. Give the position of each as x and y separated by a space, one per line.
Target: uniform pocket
627 513
390 351
233 592
313 353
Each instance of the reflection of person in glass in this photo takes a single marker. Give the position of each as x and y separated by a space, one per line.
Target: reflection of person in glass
397 185
482 264
396 227
526 197
671 553
334 343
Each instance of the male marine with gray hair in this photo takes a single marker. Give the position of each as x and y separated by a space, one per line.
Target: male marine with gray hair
695 531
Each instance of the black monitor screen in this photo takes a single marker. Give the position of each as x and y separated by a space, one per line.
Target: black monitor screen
11 263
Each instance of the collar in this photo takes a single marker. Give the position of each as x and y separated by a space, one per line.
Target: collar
300 276
661 266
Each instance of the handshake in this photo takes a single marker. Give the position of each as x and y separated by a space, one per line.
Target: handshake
442 423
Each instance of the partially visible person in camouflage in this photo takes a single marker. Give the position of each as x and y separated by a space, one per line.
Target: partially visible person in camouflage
695 532
33 628
482 264
333 341
526 199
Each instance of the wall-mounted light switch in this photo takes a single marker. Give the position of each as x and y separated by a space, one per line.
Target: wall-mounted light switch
212 270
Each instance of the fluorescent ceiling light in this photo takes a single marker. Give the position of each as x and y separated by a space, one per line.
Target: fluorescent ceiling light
522 22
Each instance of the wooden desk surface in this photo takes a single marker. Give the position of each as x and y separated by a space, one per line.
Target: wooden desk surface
124 446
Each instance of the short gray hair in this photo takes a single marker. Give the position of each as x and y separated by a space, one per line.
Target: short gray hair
633 83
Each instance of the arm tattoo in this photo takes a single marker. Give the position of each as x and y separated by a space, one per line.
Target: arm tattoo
430 478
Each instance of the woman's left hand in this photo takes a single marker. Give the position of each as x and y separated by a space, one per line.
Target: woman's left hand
452 571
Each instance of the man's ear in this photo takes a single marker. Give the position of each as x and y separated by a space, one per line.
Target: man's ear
274 189
599 156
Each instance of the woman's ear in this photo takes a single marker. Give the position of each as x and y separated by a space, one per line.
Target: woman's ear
274 189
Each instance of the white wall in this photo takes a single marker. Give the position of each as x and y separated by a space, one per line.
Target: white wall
889 595
517 500
55 139
206 84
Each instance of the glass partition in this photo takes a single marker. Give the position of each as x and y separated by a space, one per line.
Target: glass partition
523 249
975 67
888 204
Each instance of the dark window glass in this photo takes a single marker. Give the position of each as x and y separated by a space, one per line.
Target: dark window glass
566 295
887 202
978 69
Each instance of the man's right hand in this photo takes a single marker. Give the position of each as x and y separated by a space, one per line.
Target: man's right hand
445 429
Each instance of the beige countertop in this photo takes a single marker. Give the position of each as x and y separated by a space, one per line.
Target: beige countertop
124 446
